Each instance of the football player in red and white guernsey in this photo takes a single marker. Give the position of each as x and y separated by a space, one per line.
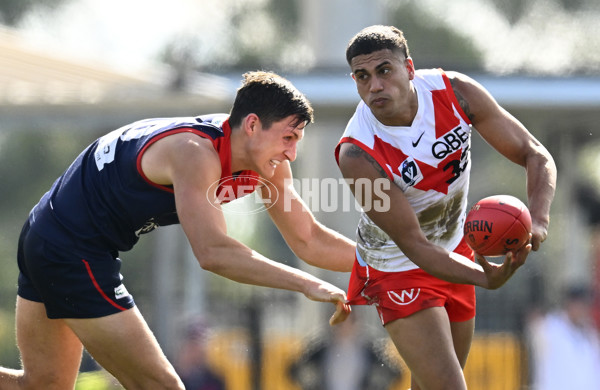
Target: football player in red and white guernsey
406 155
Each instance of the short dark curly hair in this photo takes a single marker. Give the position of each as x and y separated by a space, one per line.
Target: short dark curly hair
272 98
374 38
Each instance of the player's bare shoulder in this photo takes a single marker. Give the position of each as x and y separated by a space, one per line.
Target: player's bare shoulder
177 153
352 157
472 97
459 83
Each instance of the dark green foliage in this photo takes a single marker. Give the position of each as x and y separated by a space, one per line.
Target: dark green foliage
434 45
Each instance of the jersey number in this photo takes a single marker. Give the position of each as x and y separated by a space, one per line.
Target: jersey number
457 166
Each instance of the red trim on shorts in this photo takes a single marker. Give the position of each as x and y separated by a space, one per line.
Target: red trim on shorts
93 279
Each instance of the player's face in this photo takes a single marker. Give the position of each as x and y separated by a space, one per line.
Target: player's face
383 83
277 144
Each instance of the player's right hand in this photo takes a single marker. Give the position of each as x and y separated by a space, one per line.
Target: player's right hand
342 311
498 274
325 292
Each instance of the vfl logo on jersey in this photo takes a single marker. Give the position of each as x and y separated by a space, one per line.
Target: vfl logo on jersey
410 172
406 297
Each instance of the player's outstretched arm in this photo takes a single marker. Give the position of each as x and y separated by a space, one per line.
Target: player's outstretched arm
326 292
191 165
509 137
400 222
310 240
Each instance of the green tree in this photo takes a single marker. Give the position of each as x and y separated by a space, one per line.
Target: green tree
432 44
255 37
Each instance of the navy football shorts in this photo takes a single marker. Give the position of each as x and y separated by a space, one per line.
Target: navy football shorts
71 283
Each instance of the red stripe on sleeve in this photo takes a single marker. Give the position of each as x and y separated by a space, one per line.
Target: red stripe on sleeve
453 98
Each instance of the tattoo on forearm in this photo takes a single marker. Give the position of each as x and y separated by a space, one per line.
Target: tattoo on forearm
461 101
355 152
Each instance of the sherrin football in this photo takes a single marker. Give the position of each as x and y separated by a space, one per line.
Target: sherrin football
496 225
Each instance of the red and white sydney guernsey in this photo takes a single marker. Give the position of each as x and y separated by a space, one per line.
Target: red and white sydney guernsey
429 161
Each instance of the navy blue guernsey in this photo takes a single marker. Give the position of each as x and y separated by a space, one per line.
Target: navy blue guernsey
104 201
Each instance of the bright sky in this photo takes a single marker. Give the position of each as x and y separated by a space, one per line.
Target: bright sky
546 38
128 34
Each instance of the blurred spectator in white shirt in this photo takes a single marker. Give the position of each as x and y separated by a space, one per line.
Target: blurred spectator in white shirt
565 345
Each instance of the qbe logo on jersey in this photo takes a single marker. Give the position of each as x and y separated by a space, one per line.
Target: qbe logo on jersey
406 297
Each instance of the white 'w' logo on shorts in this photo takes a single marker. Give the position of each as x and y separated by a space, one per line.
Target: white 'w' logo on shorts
405 297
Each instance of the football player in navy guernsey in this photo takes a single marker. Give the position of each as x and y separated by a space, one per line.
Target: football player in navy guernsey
150 173
412 130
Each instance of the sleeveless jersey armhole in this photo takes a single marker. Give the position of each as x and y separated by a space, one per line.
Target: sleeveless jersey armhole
453 98
156 138
376 156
